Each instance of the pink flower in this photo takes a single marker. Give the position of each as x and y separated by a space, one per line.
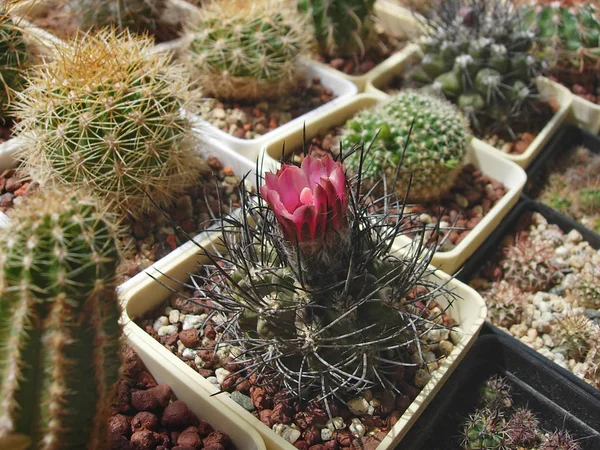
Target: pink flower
309 201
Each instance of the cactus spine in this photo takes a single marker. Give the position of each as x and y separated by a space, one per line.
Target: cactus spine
435 148
14 59
106 116
248 50
342 28
59 329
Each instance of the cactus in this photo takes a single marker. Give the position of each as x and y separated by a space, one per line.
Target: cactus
248 50
433 154
484 430
559 440
522 428
138 16
505 304
106 116
592 361
343 28
59 330
495 395
311 292
477 55
14 59
586 291
569 38
574 332
530 266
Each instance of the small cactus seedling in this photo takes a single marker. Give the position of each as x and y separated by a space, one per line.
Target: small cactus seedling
495 395
559 440
312 294
248 50
522 428
59 330
484 430
574 332
138 16
505 304
592 361
106 116
343 28
477 55
420 137
530 266
14 60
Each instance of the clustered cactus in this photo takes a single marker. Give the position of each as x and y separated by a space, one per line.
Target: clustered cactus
569 37
342 28
248 50
14 60
106 116
499 425
418 135
478 56
138 16
505 307
310 292
59 331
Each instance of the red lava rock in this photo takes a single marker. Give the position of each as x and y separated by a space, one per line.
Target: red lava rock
177 415
260 399
144 401
144 421
337 63
282 413
118 442
204 428
213 446
22 190
162 393
190 338
265 417
119 425
302 445
317 447
216 437
171 241
145 439
190 438
332 445
312 435
209 331
394 417
13 184
343 437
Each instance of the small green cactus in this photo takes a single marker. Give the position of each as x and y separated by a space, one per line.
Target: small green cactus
138 16
495 395
343 28
484 430
14 60
478 56
435 148
248 50
59 330
569 35
106 116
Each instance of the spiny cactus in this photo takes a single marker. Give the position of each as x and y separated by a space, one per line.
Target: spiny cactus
569 37
505 304
478 56
106 116
530 265
559 440
495 395
522 428
343 28
14 60
311 293
592 361
574 332
429 131
59 330
586 289
248 50
484 430
139 16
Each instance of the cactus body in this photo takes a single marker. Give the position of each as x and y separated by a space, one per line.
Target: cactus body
107 117
435 149
248 50
14 59
138 16
343 28
58 324
478 56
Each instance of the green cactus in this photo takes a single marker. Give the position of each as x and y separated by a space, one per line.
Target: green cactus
505 304
139 16
59 330
477 55
434 152
495 395
106 116
484 430
343 28
248 50
14 59
569 36
574 333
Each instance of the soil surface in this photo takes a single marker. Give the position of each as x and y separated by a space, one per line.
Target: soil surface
146 416
6 126
251 119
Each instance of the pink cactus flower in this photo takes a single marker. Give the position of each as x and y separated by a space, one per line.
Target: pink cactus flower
309 201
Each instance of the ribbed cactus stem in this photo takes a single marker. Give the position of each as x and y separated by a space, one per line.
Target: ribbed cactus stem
14 58
58 324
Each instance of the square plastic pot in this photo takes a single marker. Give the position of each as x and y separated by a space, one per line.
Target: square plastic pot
554 399
146 295
197 399
489 162
584 114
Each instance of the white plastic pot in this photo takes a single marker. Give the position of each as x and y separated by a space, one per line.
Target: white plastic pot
250 148
547 89
394 22
147 294
393 16
197 399
488 161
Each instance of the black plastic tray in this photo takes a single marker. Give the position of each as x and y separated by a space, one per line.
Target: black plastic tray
557 403
487 252
564 141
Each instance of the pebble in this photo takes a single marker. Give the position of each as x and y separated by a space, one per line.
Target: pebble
161 321
456 335
337 423
422 377
287 432
188 353
357 428
221 374
167 330
213 380
326 434
358 406
193 321
243 400
174 316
